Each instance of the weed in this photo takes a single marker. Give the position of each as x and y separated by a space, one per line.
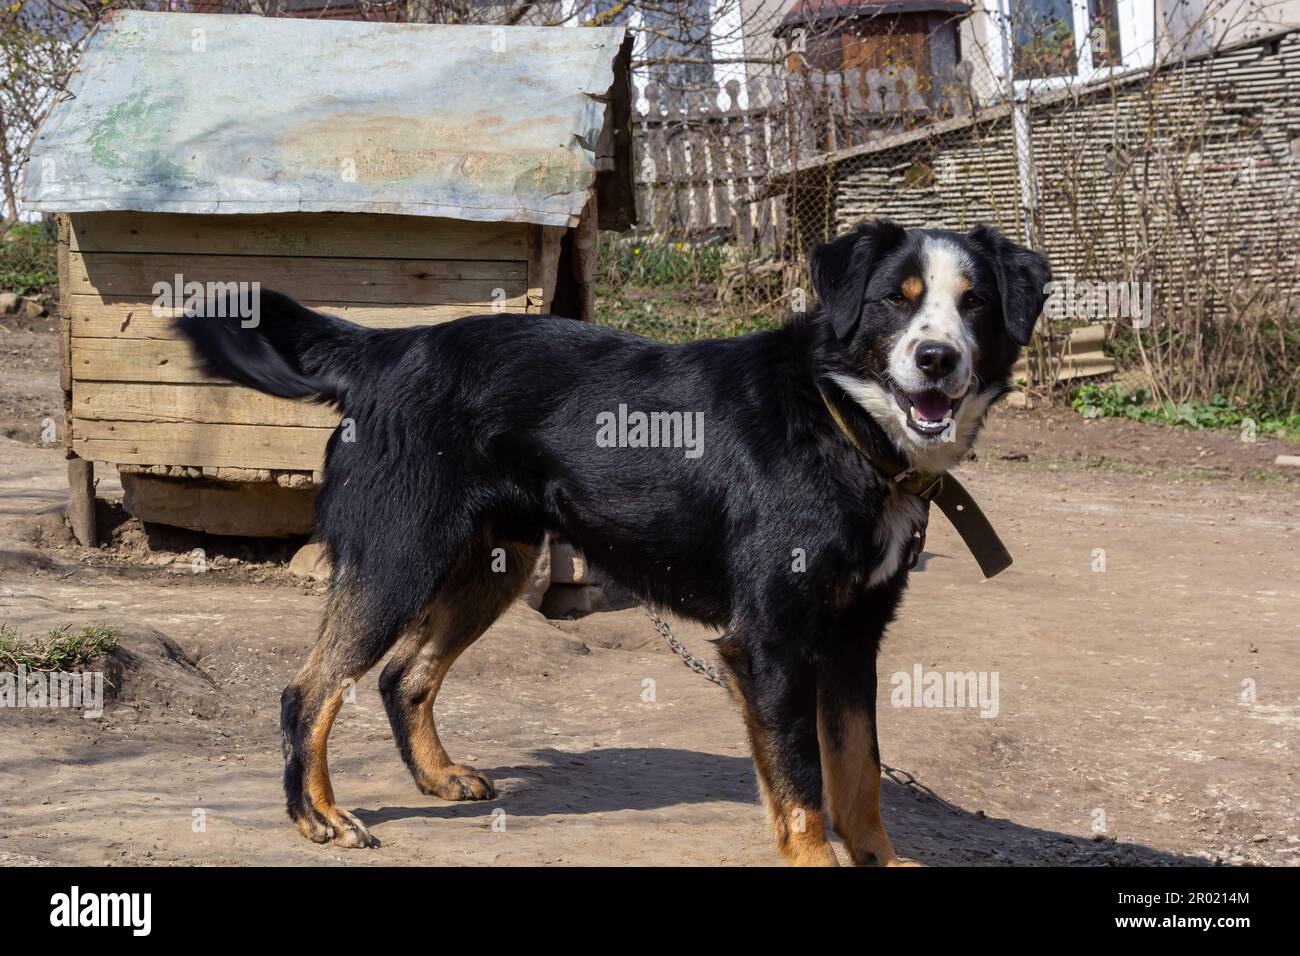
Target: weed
1111 401
62 650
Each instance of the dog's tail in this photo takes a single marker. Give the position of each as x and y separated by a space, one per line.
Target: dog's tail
281 348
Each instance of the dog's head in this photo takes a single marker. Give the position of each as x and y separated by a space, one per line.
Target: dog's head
924 327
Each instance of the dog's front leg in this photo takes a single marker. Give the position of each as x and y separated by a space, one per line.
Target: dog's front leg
850 754
778 697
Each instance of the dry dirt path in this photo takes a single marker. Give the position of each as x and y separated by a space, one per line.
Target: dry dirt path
1121 702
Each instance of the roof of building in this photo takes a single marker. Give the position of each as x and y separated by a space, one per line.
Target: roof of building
195 113
809 11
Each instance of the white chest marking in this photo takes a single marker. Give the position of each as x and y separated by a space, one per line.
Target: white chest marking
901 514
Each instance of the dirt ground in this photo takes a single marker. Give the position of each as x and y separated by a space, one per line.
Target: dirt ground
1148 713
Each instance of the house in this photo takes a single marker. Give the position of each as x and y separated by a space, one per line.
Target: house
326 160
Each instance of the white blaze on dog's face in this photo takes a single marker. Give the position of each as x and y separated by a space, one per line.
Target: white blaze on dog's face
931 361
929 325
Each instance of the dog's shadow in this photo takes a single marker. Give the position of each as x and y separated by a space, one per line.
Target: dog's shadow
611 779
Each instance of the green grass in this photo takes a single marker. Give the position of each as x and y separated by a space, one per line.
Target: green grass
63 649
673 316
1111 401
668 291
659 264
29 259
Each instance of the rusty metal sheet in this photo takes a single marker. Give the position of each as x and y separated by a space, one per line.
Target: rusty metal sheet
197 113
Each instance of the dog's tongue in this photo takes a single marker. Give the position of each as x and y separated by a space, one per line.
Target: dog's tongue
932 405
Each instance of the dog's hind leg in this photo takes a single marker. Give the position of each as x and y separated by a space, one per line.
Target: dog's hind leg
487 578
355 634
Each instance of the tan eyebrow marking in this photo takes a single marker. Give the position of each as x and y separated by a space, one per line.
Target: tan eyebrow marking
963 284
913 288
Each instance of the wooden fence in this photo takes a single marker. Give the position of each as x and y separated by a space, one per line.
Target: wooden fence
703 161
701 169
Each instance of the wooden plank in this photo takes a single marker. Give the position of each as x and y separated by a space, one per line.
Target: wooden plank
373 281
584 261
347 235
207 404
238 446
65 335
81 501
1084 367
134 317
543 262
136 360
260 509
1079 354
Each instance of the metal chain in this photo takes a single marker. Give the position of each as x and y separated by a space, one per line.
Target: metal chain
904 779
678 648
901 777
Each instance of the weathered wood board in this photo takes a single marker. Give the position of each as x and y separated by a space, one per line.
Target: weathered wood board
135 317
232 446
259 510
137 394
203 404
335 279
1081 355
353 235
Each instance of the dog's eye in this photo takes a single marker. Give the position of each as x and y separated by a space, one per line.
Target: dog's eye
971 300
896 298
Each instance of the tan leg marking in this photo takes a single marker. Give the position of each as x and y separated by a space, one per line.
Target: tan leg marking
851 776
331 822
434 771
801 835
466 606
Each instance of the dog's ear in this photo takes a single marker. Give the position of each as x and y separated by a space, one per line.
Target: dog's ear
840 270
1022 276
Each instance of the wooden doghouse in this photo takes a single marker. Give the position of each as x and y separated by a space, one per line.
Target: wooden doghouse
393 174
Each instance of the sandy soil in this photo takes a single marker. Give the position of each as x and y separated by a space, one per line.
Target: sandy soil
1122 706
29 385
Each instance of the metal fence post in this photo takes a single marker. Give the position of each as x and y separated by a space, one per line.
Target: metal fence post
1020 130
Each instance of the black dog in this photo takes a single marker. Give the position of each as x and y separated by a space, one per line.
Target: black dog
722 480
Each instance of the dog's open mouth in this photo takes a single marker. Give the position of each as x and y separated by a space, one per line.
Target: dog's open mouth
928 412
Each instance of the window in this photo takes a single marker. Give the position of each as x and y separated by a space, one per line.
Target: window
1054 42
1044 42
1103 33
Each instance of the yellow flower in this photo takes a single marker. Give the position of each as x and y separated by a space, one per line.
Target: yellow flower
636 252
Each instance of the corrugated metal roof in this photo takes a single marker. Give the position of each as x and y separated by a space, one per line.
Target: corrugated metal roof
196 113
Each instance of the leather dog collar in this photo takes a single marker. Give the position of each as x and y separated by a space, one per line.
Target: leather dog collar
943 489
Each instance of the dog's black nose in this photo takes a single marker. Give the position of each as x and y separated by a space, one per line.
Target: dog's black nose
936 359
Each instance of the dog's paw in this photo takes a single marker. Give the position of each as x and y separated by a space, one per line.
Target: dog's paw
458 782
312 825
334 825
350 832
